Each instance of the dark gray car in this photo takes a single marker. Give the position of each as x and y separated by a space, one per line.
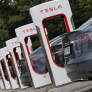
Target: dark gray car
78 52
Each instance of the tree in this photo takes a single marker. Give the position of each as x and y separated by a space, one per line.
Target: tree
81 11
15 13
85 7
4 33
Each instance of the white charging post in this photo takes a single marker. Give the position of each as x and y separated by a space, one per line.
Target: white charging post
3 74
7 60
14 47
1 84
1 79
46 11
38 80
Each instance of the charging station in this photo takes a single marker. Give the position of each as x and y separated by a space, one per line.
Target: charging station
9 67
38 80
1 83
15 52
4 74
42 13
1 80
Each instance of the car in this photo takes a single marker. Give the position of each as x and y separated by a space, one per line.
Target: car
77 47
38 60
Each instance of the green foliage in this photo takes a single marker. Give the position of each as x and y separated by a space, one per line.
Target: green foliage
81 11
15 13
86 7
36 44
4 35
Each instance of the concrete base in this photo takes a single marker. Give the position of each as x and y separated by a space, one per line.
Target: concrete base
15 90
87 89
1 90
72 87
85 86
25 90
6 91
45 89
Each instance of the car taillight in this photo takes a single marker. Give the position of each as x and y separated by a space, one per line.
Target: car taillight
82 39
80 72
34 62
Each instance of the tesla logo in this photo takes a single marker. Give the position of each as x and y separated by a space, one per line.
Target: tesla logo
51 9
44 76
15 43
6 50
28 30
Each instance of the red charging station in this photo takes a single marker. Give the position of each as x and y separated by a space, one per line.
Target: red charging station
14 49
42 13
9 67
27 31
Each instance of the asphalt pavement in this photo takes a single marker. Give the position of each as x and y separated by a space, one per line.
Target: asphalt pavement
85 86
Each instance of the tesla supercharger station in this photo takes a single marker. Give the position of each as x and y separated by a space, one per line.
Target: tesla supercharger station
46 11
38 80
1 79
13 45
1 84
7 60
3 70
